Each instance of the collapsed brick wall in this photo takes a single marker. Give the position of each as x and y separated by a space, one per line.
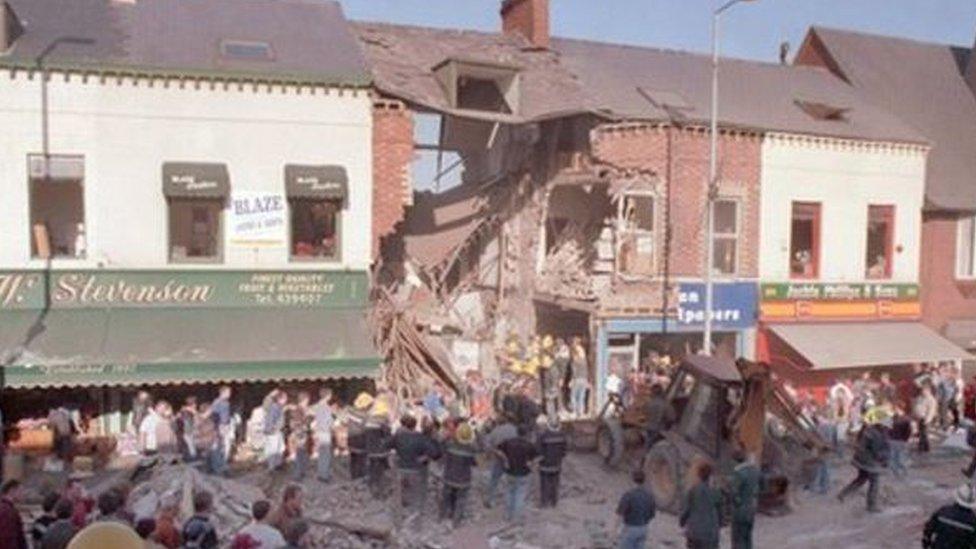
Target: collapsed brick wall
644 148
393 154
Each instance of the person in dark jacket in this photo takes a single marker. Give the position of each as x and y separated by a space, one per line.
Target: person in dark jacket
459 459
356 435
413 452
42 523
517 454
898 435
953 526
744 488
552 449
870 460
377 435
660 416
635 510
701 511
198 530
61 531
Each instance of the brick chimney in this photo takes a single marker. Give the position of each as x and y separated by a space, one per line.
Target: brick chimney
530 18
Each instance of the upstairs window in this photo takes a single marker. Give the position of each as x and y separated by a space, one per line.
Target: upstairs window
480 85
966 248
57 206
195 229
880 245
805 240
725 224
636 218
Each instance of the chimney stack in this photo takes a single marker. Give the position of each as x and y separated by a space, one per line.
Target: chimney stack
530 18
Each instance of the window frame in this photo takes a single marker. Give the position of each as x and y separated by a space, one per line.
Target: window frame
716 236
217 258
292 258
637 232
34 256
889 216
961 224
817 208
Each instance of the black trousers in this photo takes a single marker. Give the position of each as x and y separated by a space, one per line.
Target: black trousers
548 488
376 470
357 465
863 477
453 500
923 436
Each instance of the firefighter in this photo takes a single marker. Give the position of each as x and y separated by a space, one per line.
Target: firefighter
356 438
953 525
552 447
459 460
870 459
377 435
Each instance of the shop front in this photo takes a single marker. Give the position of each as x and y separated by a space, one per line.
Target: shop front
813 334
628 343
104 333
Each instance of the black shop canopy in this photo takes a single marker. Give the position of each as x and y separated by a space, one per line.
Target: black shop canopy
119 347
316 182
195 180
867 344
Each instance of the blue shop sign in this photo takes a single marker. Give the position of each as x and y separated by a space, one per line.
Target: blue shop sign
733 305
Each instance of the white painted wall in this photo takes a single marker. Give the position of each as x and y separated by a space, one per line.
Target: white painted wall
126 130
845 179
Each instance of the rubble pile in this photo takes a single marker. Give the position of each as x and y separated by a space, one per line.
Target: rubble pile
565 271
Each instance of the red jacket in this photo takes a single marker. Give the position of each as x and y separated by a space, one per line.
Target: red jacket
11 526
969 400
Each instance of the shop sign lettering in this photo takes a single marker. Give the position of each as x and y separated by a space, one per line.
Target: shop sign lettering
147 289
839 292
733 305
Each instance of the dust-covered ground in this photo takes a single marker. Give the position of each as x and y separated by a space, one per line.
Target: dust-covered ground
585 515
344 515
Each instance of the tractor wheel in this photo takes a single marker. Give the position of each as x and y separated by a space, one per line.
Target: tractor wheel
610 441
663 469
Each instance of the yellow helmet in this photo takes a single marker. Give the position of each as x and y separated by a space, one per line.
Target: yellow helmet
548 342
103 535
380 408
465 434
363 401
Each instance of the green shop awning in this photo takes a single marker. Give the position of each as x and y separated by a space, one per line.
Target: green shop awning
118 347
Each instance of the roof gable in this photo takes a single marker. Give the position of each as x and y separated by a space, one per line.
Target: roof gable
923 84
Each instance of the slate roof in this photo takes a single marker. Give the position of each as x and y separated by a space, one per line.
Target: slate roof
630 82
923 84
310 39
403 57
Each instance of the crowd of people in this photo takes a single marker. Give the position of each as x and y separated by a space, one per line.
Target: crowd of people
392 445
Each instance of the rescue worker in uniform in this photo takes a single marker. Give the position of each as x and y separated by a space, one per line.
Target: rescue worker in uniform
870 458
356 437
377 435
953 526
459 459
552 447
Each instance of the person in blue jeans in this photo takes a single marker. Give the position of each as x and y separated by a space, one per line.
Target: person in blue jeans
517 455
635 510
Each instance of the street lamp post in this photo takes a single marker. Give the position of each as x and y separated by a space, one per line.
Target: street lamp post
712 187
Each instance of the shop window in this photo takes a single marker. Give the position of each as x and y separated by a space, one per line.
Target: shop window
57 206
805 240
195 229
725 239
880 244
315 229
966 248
636 221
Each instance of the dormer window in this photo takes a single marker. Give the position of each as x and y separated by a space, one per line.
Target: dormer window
246 50
480 86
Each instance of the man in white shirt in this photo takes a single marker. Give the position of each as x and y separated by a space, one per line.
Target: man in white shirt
324 421
147 432
266 536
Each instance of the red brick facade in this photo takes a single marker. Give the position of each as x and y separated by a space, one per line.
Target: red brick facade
944 298
645 148
392 157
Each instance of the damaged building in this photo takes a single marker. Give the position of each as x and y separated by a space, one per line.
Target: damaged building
580 202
